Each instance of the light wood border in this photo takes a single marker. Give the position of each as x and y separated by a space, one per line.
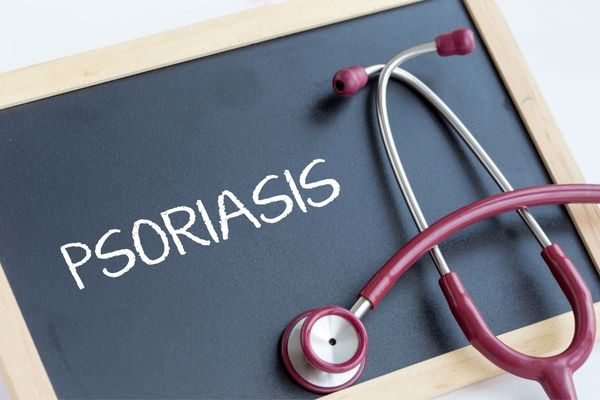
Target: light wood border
19 361
179 45
465 366
536 115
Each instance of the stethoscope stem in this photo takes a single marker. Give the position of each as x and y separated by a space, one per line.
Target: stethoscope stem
360 308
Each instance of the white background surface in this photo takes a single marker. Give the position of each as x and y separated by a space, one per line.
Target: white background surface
558 38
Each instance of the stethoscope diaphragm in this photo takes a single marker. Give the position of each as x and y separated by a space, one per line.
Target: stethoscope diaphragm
324 349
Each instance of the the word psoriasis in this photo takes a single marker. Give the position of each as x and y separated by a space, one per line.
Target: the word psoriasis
77 254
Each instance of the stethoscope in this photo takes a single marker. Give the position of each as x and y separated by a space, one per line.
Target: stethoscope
325 349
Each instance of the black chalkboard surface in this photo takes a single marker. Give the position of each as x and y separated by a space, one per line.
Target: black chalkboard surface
206 324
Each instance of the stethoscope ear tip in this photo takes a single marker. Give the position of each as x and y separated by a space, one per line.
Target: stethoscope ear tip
348 81
325 349
458 42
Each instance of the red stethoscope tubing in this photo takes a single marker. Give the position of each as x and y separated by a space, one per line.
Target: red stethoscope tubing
553 373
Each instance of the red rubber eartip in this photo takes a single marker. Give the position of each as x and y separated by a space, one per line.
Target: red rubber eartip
349 80
458 42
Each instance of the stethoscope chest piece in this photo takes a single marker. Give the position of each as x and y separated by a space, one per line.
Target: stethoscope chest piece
325 349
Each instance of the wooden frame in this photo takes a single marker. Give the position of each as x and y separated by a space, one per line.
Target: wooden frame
20 363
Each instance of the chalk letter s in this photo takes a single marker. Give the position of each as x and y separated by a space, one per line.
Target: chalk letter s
289 204
122 252
335 186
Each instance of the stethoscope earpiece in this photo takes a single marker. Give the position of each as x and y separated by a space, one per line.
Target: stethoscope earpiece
325 349
460 42
456 43
348 81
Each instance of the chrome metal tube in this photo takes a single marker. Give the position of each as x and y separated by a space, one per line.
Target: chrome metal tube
361 307
474 145
390 146
392 70
469 139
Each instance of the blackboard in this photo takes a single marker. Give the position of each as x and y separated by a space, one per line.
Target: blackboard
207 324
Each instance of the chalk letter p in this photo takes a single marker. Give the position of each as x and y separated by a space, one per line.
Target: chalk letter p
73 266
